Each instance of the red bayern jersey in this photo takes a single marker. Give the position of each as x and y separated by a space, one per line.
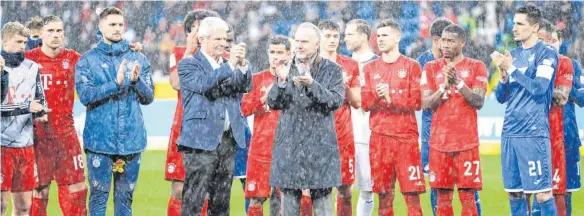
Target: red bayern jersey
454 123
58 79
396 119
343 122
264 122
175 57
564 76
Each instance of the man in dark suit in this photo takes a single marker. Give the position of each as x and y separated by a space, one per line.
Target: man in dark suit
211 89
307 91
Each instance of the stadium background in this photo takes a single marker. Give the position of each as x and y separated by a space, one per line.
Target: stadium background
158 25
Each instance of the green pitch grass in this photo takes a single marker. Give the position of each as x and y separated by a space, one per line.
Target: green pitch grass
152 192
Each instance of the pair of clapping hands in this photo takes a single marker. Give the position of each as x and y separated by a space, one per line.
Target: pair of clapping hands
504 62
283 69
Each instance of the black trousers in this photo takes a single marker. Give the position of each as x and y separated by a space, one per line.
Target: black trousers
208 172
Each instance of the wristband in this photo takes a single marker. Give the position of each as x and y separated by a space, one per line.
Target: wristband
441 89
460 85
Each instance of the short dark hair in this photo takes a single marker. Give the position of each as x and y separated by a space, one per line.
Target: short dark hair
281 40
547 26
197 14
329 25
389 23
533 13
438 26
51 18
362 27
458 30
110 11
35 22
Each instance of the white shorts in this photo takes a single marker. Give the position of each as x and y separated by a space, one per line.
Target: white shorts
363 167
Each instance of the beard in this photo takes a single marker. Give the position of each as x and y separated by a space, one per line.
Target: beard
114 40
354 48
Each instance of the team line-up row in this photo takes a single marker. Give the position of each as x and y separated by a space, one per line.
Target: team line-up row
321 120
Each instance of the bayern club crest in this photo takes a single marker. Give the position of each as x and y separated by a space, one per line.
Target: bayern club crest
464 73
65 64
432 177
171 168
251 186
96 162
401 73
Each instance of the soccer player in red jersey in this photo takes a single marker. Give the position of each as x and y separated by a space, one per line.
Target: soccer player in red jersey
254 103
57 148
392 95
175 171
562 87
343 123
454 89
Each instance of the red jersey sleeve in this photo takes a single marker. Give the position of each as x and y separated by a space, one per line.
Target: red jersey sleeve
427 81
353 72
175 57
565 73
250 103
73 58
414 98
369 96
480 80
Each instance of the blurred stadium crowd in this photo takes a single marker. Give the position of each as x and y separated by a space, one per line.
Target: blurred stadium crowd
158 24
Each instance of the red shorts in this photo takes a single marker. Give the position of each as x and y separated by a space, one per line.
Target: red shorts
18 170
347 154
59 159
392 158
460 168
175 170
258 178
559 168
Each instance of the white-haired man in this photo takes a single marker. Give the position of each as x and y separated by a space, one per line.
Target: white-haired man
211 91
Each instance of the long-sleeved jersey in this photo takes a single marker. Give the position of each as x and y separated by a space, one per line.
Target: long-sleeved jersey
528 91
343 121
455 126
265 121
426 57
564 76
396 119
58 80
571 136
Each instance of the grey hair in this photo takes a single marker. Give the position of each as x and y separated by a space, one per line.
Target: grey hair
311 26
210 24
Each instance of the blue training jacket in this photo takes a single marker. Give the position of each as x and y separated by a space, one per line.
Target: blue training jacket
114 123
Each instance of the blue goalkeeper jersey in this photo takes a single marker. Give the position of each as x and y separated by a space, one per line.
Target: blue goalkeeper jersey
528 91
426 57
571 136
